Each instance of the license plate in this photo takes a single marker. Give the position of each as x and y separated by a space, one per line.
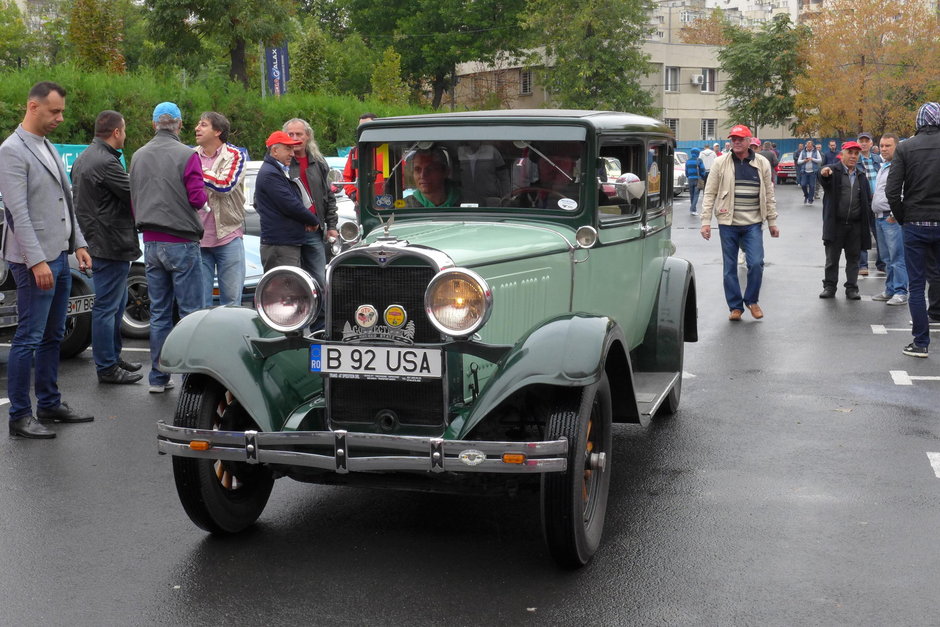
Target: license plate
376 361
80 305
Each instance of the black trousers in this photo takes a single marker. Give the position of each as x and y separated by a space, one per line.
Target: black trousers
848 239
933 288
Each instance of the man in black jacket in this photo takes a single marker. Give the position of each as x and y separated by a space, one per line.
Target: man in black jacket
913 192
102 192
285 217
846 219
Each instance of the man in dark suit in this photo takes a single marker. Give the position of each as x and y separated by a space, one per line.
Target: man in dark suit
41 231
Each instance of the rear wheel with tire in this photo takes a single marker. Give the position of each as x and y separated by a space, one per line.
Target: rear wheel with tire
574 503
221 497
136 320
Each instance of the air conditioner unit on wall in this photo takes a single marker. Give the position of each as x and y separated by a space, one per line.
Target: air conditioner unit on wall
698 79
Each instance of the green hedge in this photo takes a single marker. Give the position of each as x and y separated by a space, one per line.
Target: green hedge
253 118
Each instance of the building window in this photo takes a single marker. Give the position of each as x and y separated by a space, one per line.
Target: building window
673 125
525 83
687 17
671 79
708 78
660 34
708 129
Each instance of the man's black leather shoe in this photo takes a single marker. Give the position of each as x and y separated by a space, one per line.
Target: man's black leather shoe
827 293
29 427
130 366
62 413
852 294
119 375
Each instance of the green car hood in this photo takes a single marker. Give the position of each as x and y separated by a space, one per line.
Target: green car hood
481 243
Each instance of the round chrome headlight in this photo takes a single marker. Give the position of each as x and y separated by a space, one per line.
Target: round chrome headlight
349 232
458 302
287 299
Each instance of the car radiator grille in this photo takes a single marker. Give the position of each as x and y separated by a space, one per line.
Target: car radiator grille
361 404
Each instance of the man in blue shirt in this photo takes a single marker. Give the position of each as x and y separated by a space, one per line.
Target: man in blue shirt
888 231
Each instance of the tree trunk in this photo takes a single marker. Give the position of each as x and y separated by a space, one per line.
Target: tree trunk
238 70
439 85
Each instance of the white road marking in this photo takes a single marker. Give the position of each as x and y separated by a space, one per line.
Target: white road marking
880 329
902 378
4 401
687 375
935 462
123 350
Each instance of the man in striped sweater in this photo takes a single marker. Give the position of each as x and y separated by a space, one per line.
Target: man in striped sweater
739 191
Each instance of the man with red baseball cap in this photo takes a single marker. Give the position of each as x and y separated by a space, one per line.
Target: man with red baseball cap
740 192
846 219
283 210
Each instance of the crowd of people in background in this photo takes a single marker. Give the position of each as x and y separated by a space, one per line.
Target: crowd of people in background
188 204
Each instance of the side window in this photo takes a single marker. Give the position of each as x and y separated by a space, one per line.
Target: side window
615 161
657 176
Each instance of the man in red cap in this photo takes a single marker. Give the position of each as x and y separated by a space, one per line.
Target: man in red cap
740 192
284 212
846 220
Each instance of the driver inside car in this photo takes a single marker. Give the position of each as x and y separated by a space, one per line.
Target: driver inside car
556 181
431 171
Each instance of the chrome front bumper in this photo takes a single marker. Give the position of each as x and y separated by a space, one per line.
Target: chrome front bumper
345 452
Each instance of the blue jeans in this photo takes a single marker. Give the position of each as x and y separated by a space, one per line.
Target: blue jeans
919 243
174 272
808 184
749 238
229 261
39 332
313 260
891 251
110 298
693 194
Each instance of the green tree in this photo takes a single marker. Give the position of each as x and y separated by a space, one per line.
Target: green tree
95 35
762 68
592 58
711 30
433 36
309 61
350 62
387 85
16 43
183 25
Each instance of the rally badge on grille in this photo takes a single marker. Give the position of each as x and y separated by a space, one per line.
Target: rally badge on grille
472 457
366 316
395 316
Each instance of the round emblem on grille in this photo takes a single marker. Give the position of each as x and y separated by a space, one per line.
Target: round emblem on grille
395 316
472 457
366 316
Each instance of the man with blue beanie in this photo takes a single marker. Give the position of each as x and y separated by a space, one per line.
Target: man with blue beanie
913 192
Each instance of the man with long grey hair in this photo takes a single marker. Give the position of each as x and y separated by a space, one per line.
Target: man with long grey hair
311 168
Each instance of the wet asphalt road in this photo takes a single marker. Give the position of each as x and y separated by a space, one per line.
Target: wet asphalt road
794 486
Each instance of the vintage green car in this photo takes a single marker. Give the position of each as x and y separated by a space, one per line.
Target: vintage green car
507 304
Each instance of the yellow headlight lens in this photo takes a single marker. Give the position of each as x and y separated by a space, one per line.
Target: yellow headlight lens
458 302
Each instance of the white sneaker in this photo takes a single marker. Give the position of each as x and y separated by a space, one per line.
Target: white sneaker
160 389
881 297
898 299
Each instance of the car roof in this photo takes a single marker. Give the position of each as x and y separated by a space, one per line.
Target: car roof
600 120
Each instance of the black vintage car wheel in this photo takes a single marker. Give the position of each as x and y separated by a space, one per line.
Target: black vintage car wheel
136 320
574 503
221 497
77 328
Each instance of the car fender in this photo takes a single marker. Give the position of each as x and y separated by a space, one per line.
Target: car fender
674 319
567 351
217 342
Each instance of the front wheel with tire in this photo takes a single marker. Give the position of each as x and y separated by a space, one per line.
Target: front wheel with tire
574 503
221 497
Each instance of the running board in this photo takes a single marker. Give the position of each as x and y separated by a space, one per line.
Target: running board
651 389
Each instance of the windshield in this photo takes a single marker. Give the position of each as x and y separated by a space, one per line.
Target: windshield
524 173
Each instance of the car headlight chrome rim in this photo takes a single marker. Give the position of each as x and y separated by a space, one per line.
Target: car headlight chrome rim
287 299
349 232
458 302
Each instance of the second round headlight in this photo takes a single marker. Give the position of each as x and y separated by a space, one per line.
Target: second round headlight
458 302
287 299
